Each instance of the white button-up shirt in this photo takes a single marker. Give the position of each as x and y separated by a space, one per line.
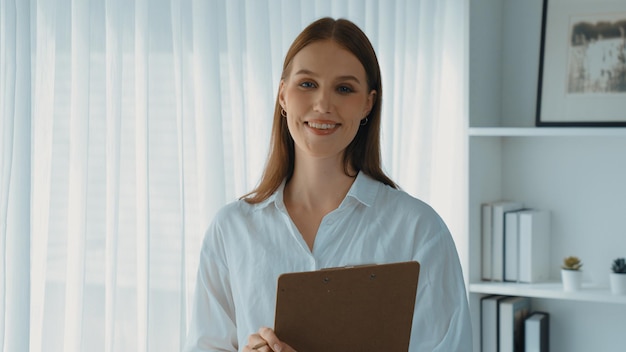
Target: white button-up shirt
248 246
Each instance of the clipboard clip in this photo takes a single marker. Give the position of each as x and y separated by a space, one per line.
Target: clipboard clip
348 266
326 279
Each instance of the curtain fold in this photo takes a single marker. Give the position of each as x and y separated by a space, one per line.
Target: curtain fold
78 173
114 64
142 109
43 119
208 105
15 173
235 125
177 52
148 116
7 92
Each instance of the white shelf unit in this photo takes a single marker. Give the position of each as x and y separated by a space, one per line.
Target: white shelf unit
578 173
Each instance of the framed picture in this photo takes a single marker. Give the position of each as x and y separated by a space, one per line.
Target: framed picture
582 72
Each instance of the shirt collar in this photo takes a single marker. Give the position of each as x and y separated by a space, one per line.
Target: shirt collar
363 190
276 197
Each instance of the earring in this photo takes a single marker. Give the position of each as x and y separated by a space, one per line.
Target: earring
364 121
283 113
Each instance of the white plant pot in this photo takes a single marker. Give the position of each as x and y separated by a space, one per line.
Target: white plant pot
618 284
571 279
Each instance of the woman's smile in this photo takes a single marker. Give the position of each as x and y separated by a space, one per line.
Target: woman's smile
322 127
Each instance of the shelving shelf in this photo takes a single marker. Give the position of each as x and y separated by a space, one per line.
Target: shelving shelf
546 131
552 290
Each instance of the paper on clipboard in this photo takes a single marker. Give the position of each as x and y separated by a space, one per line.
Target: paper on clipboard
361 308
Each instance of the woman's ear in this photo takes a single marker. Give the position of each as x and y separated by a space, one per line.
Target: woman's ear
281 94
371 99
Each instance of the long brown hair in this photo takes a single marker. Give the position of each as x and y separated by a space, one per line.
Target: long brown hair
363 153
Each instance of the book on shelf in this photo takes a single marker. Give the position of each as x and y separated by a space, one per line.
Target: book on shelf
537 332
495 239
497 250
512 312
489 322
486 211
534 245
511 245
515 242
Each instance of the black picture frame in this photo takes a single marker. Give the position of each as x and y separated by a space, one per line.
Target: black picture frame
582 68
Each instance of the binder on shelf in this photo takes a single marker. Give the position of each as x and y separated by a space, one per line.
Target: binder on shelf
497 242
537 332
512 314
486 210
489 322
534 245
511 246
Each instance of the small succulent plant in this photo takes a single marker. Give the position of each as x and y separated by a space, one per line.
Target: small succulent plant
571 263
619 266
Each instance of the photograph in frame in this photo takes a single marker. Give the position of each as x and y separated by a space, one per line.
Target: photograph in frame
582 75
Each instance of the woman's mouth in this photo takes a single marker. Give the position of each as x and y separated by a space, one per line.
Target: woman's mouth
322 126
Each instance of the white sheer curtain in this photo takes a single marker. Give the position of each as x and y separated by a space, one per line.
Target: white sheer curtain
126 124
15 170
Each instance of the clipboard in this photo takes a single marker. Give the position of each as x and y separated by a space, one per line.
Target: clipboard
360 308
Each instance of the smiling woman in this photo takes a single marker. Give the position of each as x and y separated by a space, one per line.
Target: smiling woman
147 116
333 207
325 97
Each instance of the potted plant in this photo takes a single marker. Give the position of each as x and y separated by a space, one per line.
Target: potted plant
571 275
618 276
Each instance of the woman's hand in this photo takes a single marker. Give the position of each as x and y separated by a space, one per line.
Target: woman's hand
265 340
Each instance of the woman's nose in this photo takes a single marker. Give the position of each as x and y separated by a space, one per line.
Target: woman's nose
322 101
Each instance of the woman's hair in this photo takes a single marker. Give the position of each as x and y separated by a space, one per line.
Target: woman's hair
363 153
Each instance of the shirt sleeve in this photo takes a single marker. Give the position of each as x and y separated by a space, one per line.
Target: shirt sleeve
441 320
212 326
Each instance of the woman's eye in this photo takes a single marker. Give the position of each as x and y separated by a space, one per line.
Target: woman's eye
344 89
307 85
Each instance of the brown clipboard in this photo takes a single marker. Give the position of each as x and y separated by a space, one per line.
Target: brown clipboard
361 308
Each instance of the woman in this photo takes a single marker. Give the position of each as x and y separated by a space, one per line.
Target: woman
323 201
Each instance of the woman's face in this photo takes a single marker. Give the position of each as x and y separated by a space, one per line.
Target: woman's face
325 96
